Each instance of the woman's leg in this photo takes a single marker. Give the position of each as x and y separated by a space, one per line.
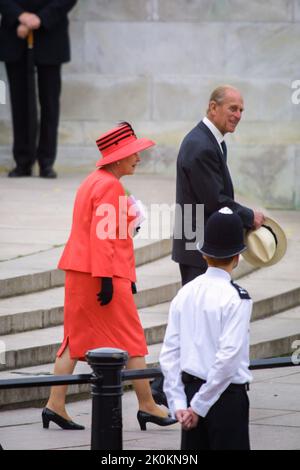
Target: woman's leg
143 390
64 365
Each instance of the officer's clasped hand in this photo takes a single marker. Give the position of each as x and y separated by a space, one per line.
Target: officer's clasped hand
106 293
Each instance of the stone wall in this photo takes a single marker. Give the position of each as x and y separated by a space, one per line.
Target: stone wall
154 63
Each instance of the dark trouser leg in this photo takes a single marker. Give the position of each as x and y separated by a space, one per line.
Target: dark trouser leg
197 438
228 422
188 273
17 79
49 84
226 426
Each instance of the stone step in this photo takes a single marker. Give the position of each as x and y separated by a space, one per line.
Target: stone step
40 346
36 272
24 397
268 338
45 309
276 336
276 288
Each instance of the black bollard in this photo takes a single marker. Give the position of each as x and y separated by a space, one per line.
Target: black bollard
107 390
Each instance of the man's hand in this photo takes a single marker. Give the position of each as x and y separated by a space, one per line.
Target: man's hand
195 418
106 293
187 418
259 219
22 31
30 20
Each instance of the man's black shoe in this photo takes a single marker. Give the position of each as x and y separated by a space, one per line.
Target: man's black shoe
48 173
19 172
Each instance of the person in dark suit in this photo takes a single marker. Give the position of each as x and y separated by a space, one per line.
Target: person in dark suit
49 22
203 178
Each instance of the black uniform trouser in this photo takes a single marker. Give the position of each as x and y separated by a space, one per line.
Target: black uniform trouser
188 273
49 88
225 427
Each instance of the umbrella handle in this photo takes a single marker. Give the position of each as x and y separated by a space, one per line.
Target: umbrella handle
30 40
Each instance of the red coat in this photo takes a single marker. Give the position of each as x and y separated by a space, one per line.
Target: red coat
99 244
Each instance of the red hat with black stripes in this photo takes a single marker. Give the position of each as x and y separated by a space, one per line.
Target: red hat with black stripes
119 143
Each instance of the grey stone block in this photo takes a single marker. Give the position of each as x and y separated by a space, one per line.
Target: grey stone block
273 348
225 10
88 97
265 99
181 98
262 50
273 305
265 172
116 10
186 98
4 91
157 295
266 133
77 32
297 10
6 160
156 48
71 133
5 132
297 178
76 159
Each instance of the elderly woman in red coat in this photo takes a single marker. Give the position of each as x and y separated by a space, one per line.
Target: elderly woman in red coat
98 259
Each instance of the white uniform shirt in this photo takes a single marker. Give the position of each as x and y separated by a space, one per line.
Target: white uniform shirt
207 336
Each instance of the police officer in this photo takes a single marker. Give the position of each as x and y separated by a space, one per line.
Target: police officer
205 354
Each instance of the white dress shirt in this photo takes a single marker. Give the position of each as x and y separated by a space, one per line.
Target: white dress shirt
207 336
215 131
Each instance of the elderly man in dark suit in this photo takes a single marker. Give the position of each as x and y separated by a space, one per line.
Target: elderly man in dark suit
203 176
48 19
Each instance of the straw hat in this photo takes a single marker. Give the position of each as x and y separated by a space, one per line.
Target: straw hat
119 143
266 245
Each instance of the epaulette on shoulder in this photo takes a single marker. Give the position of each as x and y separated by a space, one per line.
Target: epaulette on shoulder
241 291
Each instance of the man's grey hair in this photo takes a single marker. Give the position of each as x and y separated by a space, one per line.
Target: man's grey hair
219 93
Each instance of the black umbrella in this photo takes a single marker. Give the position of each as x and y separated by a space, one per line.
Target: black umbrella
31 99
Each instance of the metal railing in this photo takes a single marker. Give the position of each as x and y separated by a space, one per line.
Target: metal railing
106 380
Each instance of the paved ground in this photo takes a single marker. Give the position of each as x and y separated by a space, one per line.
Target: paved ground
275 420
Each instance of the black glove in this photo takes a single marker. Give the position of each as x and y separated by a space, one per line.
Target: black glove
136 230
106 293
133 288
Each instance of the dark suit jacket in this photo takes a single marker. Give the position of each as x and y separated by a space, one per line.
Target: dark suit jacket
51 40
203 178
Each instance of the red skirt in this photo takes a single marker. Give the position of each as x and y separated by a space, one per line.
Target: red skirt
88 325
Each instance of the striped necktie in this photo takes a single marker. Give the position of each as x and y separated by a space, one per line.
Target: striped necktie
224 148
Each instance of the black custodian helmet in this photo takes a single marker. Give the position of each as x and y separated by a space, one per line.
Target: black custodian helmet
223 235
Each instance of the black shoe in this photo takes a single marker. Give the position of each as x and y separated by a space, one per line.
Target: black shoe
19 172
49 415
159 397
48 173
144 418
